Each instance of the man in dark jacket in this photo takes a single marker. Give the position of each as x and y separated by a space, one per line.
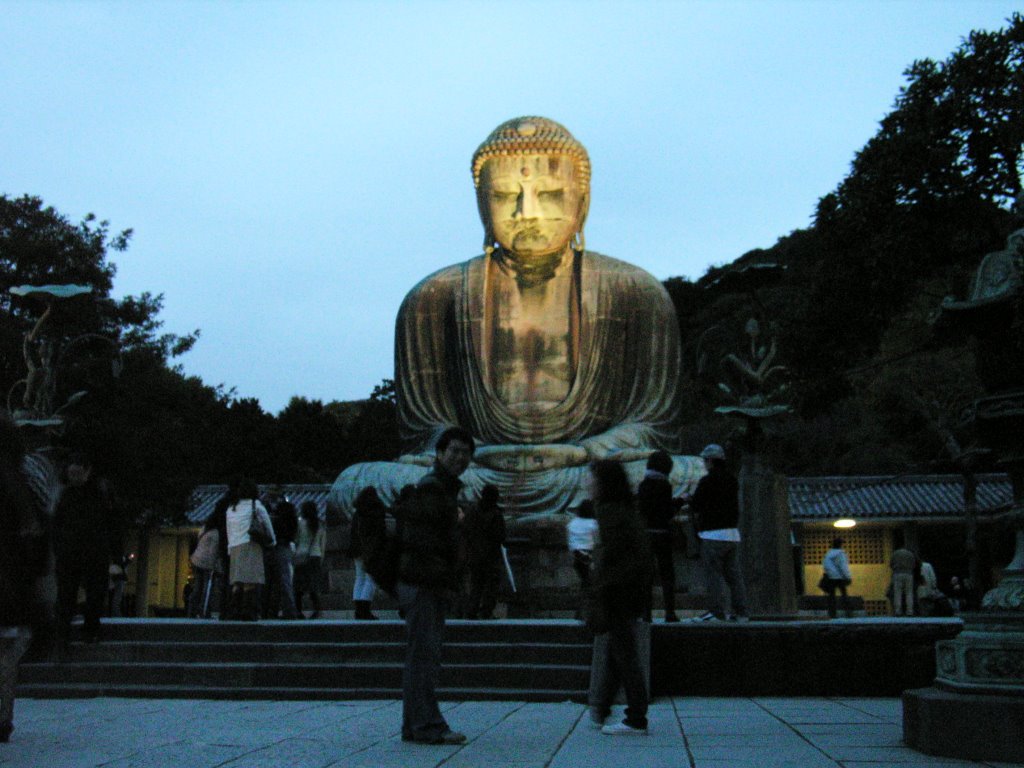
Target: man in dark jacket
88 536
657 508
715 506
427 572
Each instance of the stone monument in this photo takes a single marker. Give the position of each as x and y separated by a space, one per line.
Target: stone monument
759 388
549 354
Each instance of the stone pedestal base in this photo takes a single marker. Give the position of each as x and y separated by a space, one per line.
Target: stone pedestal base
975 710
964 725
13 642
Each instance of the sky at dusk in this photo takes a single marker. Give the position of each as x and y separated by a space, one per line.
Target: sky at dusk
292 169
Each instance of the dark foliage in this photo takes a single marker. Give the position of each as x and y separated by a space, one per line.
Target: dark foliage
925 199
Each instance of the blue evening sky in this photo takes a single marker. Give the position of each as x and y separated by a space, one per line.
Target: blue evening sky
292 169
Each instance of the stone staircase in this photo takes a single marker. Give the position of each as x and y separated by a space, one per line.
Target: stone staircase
334 659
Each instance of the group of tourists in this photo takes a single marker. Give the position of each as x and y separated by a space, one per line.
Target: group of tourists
257 556
617 538
428 570
914 588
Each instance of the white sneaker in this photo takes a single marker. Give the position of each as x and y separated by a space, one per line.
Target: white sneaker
709 616
622 729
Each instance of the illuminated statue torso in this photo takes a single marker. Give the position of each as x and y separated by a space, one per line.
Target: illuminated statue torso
528 345
550 355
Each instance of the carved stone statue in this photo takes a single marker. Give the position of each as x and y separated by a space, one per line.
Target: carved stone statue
551 355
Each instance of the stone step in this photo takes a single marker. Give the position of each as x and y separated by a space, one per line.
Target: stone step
564 631
350 675
323 659
118 690
123 652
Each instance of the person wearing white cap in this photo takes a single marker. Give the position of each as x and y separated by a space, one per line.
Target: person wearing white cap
715 509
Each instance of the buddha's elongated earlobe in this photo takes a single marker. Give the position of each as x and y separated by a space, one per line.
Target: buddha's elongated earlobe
579 243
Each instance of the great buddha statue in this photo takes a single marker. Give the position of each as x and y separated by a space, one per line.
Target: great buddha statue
550 355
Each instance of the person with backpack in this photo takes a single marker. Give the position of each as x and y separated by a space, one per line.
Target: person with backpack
426 576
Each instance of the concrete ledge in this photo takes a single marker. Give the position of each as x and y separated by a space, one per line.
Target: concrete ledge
966 726
844 657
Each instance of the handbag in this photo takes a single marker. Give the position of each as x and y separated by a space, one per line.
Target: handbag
207 554
258 534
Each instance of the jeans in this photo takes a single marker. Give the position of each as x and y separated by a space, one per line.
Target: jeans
623 665
424 625
722 564
282 591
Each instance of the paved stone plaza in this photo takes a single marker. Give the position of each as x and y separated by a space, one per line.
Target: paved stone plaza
712 733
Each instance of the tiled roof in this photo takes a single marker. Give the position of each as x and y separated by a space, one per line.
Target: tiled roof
863 497
204 497
892 498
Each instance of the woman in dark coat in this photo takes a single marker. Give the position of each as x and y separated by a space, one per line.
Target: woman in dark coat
368 525
484 529
622 577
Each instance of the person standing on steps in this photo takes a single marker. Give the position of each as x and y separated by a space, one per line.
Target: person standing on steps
87 537
715 505
368 523
484 530
310 544
657 508
245 514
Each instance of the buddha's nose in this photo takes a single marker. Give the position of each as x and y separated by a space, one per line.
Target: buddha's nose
527 204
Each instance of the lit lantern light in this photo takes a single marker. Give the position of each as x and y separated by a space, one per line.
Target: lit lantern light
844 523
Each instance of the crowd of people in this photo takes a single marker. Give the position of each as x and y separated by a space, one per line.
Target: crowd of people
257 556
914 588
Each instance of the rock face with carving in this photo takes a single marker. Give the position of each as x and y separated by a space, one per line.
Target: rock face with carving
549 354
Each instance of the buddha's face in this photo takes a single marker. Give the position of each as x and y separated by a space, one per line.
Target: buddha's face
532 202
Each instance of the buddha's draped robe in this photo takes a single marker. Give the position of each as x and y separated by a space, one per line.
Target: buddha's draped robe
625 364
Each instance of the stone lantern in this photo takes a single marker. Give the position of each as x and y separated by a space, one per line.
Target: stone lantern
759 388
975 709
